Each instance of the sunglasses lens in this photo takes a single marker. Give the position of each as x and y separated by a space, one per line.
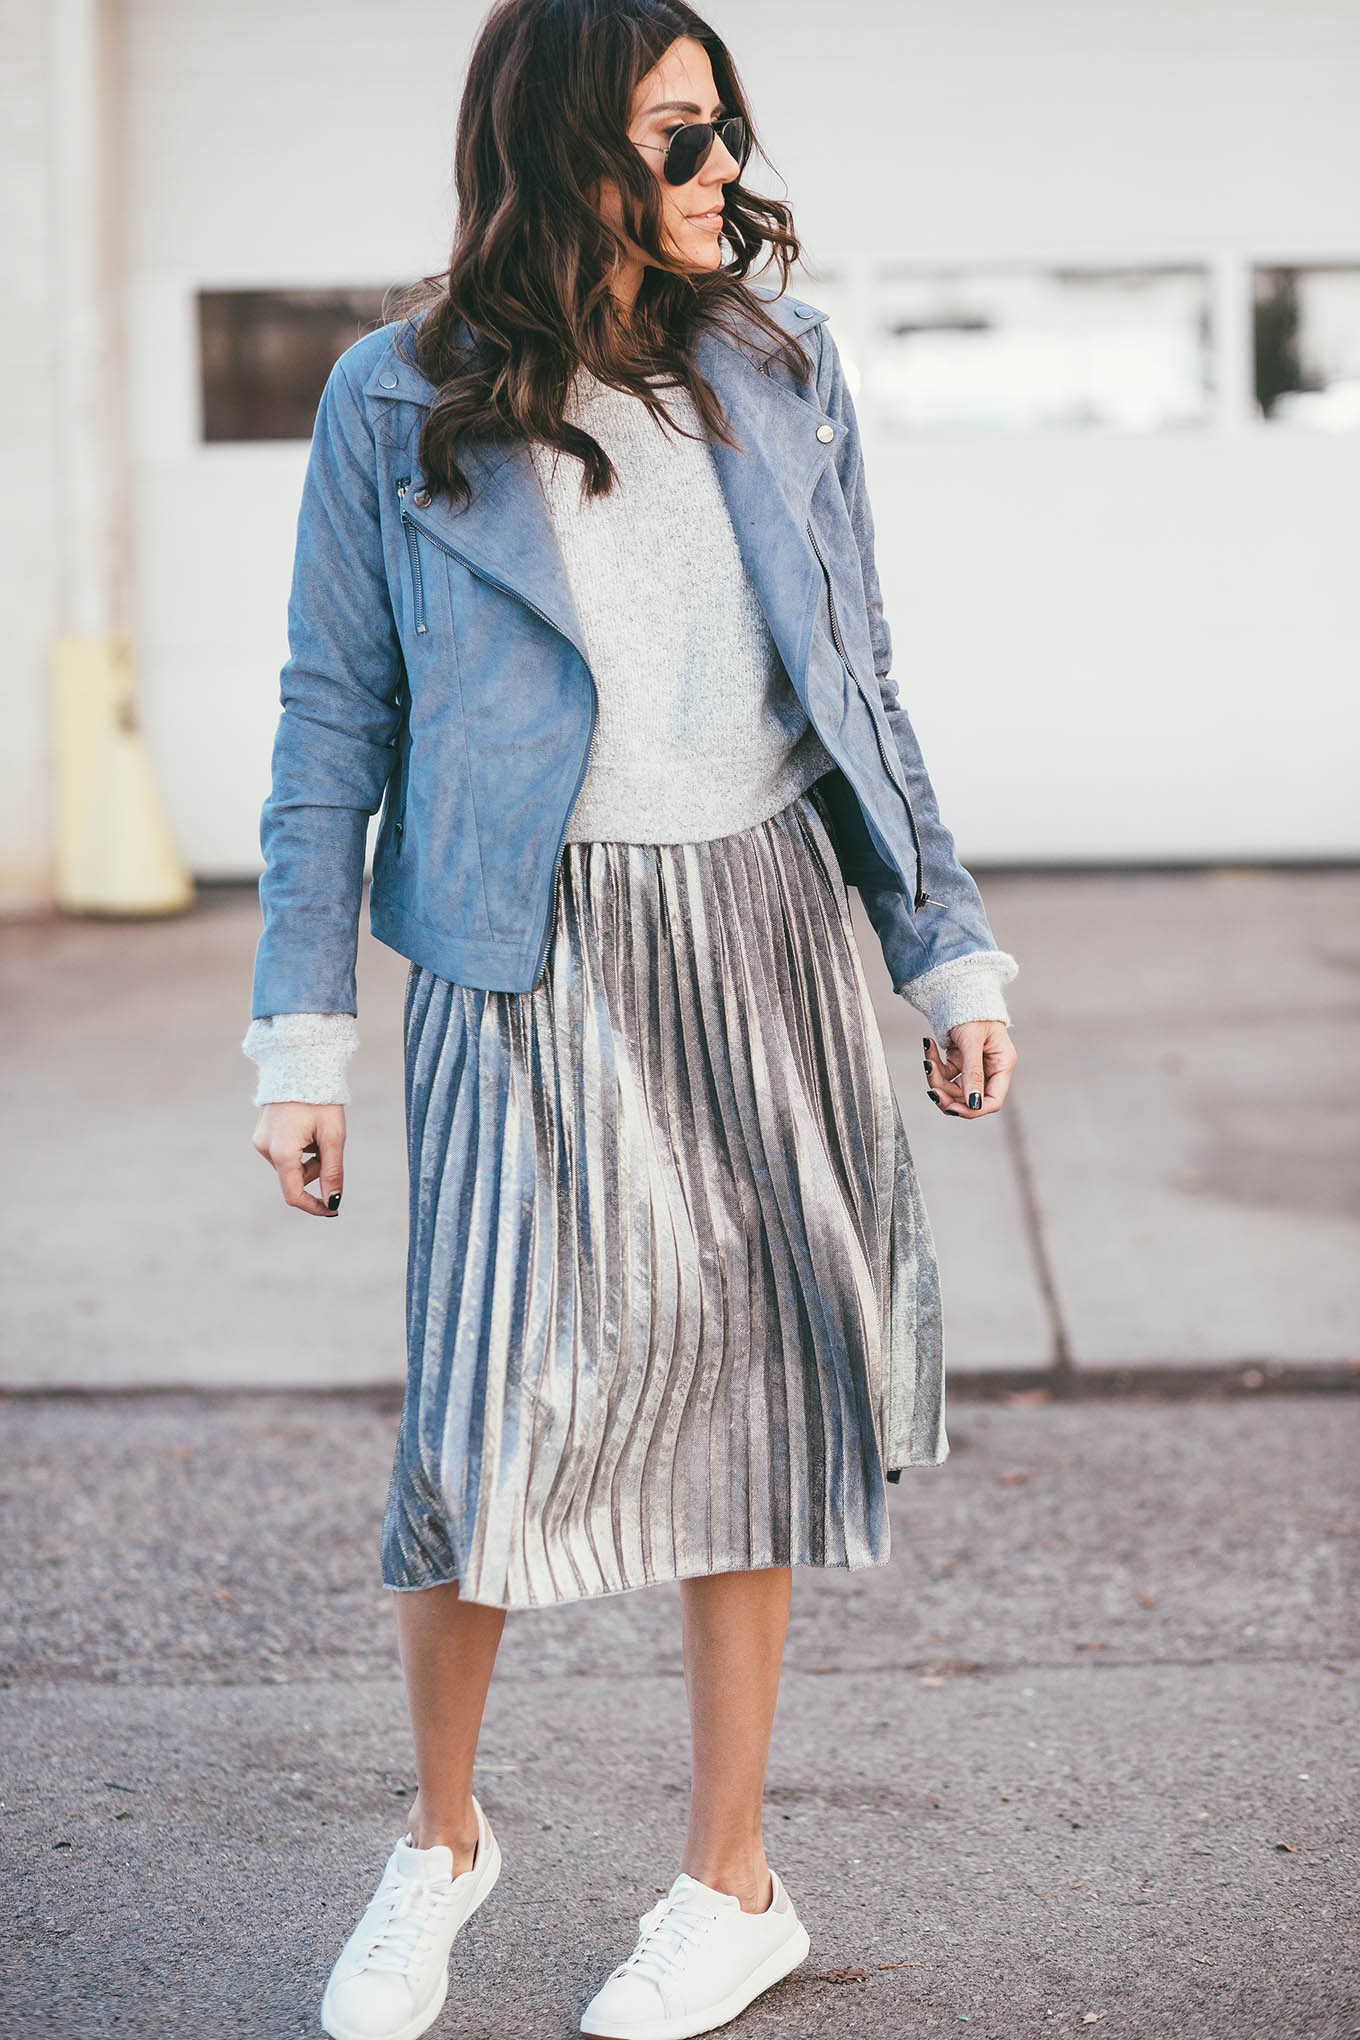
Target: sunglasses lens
689 146
735 139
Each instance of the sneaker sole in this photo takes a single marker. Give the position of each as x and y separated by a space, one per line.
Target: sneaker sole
420 2021
772 1970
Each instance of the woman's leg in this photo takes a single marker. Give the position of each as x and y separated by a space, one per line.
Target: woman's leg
448 1648
734 1628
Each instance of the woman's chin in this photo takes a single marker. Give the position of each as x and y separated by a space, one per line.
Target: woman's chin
705 252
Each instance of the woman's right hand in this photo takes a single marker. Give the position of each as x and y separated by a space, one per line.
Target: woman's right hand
300 1144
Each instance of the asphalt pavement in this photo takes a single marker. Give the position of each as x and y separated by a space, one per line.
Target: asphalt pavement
1083 1752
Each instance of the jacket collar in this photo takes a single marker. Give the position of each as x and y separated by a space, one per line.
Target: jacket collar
504 533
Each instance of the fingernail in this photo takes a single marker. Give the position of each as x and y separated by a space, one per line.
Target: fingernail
925 1043
934 1097
926 1065
975 1101
333 1201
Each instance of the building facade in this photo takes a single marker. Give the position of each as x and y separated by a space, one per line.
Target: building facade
1059 243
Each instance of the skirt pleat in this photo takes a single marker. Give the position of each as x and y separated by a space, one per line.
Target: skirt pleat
671 1288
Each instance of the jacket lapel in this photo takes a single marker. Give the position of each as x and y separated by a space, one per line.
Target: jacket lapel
505 534
768 486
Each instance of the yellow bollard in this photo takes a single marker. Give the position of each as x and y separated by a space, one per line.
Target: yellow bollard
115 853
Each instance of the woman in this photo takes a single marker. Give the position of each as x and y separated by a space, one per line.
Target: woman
584 597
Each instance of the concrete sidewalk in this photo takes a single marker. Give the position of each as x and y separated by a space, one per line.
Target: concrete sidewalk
1174 1185
1084 1751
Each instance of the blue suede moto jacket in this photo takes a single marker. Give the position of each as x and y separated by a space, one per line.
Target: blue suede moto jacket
437 670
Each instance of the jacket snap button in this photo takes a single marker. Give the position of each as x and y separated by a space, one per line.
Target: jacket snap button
826 433
421 499
387 380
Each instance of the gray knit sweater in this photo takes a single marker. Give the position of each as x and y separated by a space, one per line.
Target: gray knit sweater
699 732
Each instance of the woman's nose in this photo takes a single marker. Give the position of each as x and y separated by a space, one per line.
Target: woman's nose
720 166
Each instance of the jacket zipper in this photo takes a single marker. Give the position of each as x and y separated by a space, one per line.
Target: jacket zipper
403 763
922 896
413 549
493 581
562 833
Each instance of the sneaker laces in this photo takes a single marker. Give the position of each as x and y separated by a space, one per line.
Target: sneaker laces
403 1915
667 1933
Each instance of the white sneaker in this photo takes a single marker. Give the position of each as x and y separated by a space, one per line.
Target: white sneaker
393 1972
699 1961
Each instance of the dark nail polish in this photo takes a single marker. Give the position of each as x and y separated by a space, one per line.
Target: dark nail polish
333 1201
934 1097
925 1043
925 1065
975 1101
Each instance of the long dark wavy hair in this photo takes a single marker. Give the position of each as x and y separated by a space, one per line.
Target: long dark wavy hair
526 296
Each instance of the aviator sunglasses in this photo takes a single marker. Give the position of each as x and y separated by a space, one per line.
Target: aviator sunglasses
687 151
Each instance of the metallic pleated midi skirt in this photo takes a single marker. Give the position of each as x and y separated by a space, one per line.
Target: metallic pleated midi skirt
671 1287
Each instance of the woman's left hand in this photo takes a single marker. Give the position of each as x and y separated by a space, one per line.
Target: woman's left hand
972 1079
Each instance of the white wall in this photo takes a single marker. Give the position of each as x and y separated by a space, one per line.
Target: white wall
270 146
1112 647
29 487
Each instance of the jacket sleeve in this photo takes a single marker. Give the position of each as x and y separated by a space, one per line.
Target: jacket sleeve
341 690
918 945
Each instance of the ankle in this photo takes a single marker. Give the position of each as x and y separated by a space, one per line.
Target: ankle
450 1827
462 1848
748 1881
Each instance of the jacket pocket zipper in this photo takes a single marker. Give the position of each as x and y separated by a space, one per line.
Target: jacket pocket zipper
922 896
413 549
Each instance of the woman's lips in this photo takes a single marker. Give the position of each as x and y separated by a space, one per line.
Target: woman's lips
712 218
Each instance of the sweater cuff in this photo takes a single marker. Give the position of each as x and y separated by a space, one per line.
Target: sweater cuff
301 1057
966 988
